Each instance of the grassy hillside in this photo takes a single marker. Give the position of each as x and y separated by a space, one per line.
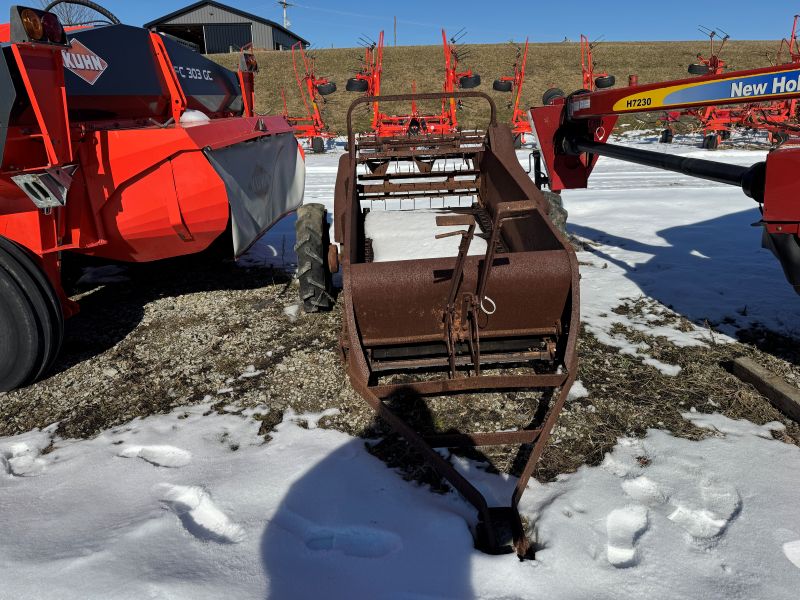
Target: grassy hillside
548 65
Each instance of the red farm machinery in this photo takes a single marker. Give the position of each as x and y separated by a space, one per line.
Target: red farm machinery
778 118
514 84
593 80
122 144
368 81
573 132
312 90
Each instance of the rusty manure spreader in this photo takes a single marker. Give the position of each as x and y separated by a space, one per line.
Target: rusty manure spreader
120 143
497 313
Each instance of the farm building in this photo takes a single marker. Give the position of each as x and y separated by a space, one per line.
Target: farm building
212 27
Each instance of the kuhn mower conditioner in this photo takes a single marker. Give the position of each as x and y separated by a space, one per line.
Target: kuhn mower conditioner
120 143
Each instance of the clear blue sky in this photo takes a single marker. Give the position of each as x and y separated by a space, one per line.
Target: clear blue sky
340 22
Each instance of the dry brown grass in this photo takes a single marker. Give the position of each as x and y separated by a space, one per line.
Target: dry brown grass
548 65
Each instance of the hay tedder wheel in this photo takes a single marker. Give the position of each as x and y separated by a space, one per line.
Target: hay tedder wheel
551 94
326 89
469 82
312 258
318 145
779 138
354 84
604 82
557 213
711 142
667 136
31 322
501 85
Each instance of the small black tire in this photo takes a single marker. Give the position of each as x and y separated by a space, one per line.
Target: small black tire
501 85
469 82
326 89
552 94
557 213
354 84
779 138
667 136
711 141
698 69
37 285
518 141
725 135
311 246
604 82
317 145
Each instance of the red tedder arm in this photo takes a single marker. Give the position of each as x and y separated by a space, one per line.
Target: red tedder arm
573 132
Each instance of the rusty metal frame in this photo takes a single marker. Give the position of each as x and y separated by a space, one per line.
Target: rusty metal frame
518 214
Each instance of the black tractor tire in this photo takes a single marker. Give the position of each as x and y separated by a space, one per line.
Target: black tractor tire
20 352
326 88
31 322
469 82
311 246
557 213
604 82
501 85
711 141
698 69
43 297
354 84
318 145
550 95
667 136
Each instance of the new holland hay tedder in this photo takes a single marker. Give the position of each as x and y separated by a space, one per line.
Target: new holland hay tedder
120 143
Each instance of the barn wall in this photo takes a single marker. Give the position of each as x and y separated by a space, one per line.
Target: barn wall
263 36
206 14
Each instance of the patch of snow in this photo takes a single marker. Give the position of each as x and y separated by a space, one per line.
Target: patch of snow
161 456
623 528
577 391
792 551
292 311
198 514
411 234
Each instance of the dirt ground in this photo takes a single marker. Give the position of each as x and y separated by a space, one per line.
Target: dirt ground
154 337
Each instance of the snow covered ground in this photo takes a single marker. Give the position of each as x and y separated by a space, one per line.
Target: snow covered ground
195 505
